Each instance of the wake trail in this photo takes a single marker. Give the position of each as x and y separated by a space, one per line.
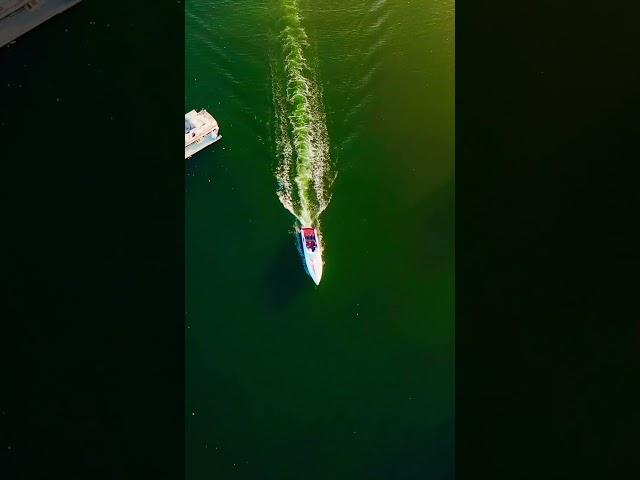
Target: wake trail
302 142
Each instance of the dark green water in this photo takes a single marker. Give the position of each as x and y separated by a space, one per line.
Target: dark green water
354 378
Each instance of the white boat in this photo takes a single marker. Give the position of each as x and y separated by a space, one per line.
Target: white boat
200 131
312 253
19 16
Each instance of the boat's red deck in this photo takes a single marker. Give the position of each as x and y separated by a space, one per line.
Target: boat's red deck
310 238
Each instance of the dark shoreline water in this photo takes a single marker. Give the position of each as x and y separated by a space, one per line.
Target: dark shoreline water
354 378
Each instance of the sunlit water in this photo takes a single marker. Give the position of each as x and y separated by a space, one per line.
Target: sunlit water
339 114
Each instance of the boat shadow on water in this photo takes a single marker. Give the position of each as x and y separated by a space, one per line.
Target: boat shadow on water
286 278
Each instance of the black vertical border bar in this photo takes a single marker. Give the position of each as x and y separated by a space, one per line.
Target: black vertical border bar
92 203
547 333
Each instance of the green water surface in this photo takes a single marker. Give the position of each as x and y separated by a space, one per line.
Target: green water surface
353 378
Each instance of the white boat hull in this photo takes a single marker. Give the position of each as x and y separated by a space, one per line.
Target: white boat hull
204 142
200 131
312 259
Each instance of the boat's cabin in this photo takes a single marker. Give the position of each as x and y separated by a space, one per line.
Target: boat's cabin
197 124
310 239
189 130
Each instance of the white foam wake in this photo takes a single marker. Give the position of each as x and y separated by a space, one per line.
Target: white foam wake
302 142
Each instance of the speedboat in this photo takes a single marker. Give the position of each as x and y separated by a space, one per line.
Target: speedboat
312 253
